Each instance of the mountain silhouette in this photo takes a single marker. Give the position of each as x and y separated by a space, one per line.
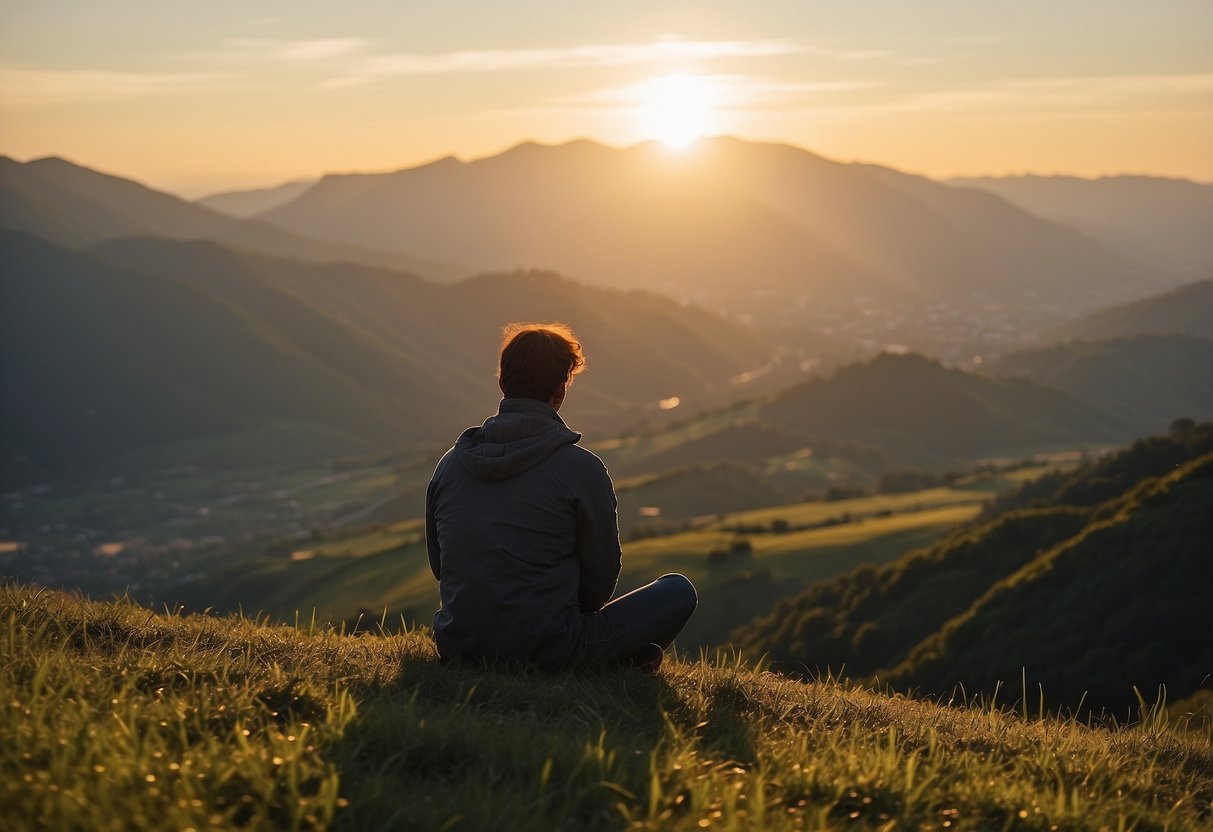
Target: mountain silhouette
893 411
139 343
72 205
1165 222
924 413
727 216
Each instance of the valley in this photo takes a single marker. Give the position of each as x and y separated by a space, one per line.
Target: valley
222 422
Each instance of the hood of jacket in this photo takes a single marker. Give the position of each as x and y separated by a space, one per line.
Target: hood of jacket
523 434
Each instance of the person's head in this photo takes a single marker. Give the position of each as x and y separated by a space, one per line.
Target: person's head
538 361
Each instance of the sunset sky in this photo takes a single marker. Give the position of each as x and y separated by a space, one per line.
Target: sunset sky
197 97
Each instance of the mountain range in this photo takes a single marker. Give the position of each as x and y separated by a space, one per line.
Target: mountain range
137 343
769 227
137 321
1163 222
73 205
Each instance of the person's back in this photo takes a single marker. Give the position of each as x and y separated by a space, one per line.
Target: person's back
524 519
523 536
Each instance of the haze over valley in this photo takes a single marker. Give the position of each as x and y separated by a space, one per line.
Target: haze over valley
859 251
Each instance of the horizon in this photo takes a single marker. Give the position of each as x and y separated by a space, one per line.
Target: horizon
237 98
197 195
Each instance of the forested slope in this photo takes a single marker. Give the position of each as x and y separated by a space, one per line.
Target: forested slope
1094 581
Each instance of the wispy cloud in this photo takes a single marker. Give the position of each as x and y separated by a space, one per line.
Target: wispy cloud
856 54
739 92
1070 92
1124 84
372 67
295 50
24 87
1007 97
765 93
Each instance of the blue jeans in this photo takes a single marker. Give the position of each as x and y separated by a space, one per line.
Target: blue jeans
653 614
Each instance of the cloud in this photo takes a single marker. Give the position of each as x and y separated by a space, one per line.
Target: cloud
1062 93
857 54
296 50
735 92
1123 84
1013 96
24 87
760 93
372 67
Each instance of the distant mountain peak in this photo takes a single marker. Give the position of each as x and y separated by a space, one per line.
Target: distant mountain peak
1059 178
53 160
532 145
70 204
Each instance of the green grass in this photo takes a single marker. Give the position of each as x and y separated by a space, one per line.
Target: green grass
816 511
114 717
779 566
794 552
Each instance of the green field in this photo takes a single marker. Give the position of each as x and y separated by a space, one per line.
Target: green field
387 569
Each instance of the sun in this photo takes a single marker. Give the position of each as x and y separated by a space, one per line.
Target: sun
677 109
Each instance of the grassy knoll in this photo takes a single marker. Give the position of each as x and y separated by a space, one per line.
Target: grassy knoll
115 717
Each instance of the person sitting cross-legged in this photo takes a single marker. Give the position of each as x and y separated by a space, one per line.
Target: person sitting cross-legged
523 536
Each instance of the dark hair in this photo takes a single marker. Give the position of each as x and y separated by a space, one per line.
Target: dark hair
538 359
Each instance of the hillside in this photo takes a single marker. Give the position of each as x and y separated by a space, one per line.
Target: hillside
1063 579
101 361
892 411
1187 310
923 413
1152 379
1152 219
159 341
116 717
792 223
1125 601
72 205
455 328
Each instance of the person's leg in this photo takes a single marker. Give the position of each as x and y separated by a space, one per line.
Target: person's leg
652 614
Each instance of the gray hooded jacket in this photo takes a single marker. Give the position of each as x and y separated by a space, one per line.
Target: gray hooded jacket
523 536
